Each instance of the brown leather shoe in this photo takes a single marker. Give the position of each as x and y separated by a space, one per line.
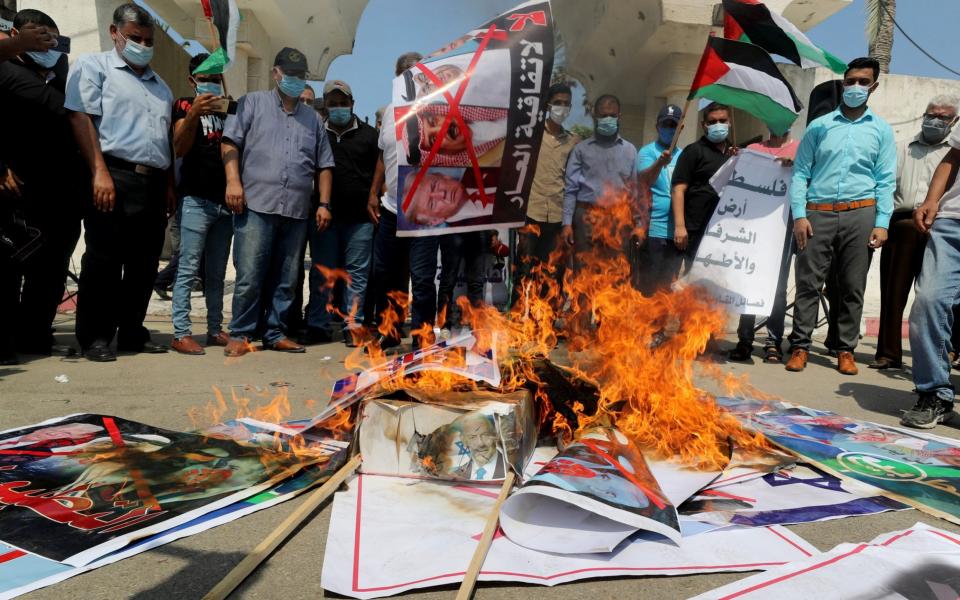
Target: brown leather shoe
285 345
237 347
798 360
846 364
221 339
187 345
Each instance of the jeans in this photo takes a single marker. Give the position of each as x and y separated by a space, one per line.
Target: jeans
468 249
345 246
423 275
391 268
206 228
266 249
746 331
931 318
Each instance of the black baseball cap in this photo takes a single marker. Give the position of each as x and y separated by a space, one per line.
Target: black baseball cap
291 59
670 112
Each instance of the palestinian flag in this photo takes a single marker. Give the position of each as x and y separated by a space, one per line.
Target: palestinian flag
225 16
744 76
751 21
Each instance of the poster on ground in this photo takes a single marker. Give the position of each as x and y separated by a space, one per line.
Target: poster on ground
918 469
469 120
738 260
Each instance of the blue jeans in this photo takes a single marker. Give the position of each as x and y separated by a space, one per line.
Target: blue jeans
931 318
205 231
347 246
423 276
266 249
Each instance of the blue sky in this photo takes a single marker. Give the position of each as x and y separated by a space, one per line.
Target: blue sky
389 28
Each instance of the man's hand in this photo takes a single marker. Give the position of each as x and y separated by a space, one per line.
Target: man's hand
235 198
802 231
732 150
323 218
373 209
680 237
104 194
35 38
877 237
171 201
566 234
664 158
787 162
924 215
10 184
204 104
639 235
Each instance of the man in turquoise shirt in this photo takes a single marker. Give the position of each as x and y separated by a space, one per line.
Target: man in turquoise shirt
658 259
841 196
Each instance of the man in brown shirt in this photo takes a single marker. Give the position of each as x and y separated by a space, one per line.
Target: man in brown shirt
541 235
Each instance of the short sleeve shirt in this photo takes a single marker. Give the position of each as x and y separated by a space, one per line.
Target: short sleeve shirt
387 143
280 153
201 172
950 203
696 165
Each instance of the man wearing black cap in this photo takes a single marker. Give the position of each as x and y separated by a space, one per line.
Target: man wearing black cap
274 149
348 242
658 259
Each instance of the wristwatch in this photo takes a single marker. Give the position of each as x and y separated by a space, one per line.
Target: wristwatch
325 205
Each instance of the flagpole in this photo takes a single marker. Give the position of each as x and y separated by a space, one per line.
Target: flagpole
215 44
686 107
676 136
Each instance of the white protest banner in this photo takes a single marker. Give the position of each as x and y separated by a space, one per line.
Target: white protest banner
738 260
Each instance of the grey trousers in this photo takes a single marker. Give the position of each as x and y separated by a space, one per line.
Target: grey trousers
841 237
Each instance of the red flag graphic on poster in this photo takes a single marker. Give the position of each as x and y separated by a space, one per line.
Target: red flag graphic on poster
469 119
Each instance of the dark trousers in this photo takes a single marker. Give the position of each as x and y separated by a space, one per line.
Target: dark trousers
533 250
839 238
694 237
423 274
900 261
457 249
390 272
119 265
168 274
31 290
656 265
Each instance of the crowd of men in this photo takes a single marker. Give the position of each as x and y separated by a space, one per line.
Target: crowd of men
280 172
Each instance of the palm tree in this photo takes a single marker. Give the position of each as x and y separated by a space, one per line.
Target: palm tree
880 15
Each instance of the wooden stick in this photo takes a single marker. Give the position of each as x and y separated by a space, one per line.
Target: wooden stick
483 546
683 117
278 535
215 44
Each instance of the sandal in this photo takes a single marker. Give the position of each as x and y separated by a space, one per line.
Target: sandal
772 354
742 352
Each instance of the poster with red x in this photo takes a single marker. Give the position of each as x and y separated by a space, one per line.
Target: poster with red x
469 119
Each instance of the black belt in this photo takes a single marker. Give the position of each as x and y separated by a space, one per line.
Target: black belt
119 163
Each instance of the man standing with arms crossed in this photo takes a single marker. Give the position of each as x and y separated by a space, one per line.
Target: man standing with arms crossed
841 197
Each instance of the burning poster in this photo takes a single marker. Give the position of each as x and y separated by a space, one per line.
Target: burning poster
469 119
75 488
591 497
921 470
738 260
463 436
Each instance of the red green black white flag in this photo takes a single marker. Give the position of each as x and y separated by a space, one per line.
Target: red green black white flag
751 21
744 76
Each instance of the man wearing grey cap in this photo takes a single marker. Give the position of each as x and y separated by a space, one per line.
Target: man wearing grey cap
274 150
348 243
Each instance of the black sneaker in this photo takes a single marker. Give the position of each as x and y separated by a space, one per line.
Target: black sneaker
315 336
927 412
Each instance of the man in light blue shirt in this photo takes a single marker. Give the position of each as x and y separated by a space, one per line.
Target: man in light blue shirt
120 115
658 259
841 197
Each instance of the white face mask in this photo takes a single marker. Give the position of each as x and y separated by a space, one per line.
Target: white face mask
559 114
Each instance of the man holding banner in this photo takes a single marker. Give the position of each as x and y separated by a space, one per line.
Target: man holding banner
842 198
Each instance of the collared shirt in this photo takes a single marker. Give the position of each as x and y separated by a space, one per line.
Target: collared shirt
950 202
546 192
387 142
280 153
661 217
355 154
132 113
916 162
840 160
698 163
594 165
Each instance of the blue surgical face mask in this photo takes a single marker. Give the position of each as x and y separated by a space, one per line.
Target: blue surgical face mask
291 86
339 115
209 87
136 54
717 132
45 59
666 134
855 96
608 126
